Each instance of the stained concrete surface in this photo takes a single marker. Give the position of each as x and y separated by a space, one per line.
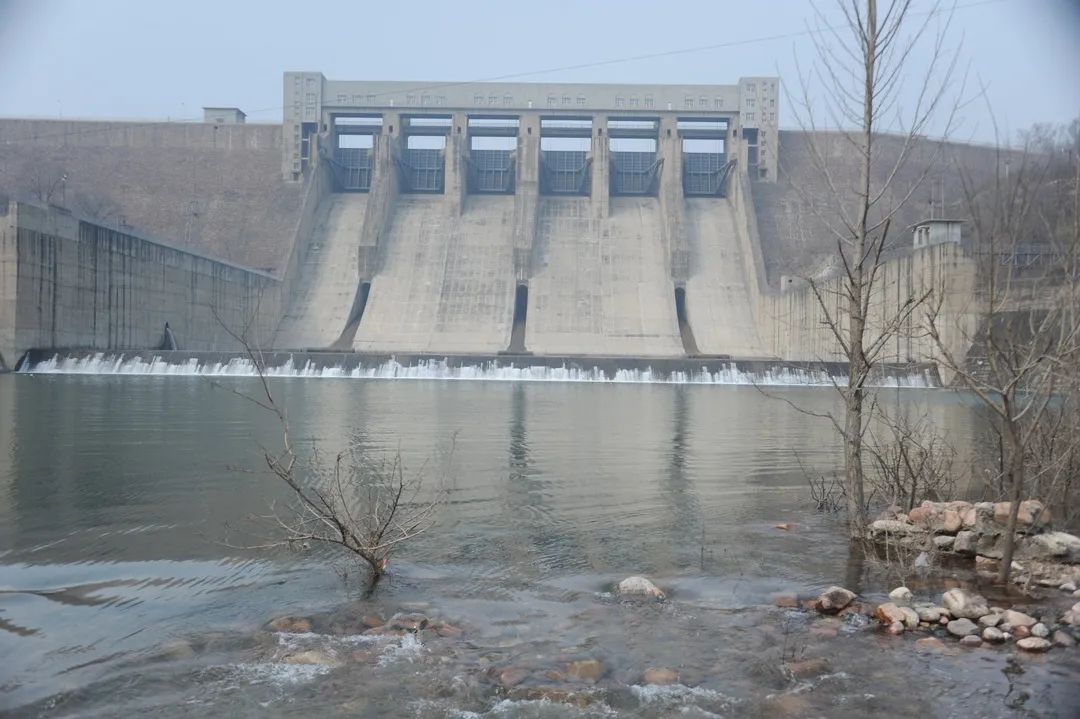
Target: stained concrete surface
329 275
719 300
445 281
601 286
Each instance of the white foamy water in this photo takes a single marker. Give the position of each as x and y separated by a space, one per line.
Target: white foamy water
729 374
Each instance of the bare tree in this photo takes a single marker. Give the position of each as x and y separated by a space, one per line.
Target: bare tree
860 67
1024 361
362 505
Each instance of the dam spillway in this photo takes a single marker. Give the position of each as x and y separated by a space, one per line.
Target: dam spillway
476 219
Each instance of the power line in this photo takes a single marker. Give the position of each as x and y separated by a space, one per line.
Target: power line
532 73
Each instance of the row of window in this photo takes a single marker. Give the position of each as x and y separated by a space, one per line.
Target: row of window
769 117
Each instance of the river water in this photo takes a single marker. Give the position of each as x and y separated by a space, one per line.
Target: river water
122 590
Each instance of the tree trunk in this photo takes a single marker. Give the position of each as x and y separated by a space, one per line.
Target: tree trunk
1016 489
857 369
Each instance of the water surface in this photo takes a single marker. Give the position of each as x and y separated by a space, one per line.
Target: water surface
120 592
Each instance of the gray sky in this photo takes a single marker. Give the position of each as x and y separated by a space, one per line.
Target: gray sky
140 59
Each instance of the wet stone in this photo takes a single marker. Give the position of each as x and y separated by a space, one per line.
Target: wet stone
1034 644
660 675
971 640
962 627
833 599
964 604
586 669
1062 638
290 625
512 676
993 634
807 668
930 644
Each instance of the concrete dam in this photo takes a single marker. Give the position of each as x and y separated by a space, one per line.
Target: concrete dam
513 223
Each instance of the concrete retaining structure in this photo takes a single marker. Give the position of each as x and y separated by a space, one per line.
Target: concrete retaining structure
67 282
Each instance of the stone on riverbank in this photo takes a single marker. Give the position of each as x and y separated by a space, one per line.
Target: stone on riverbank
965 604
962 627
638 586
1033 644
413 622
833 599
1018 619
901 595
971 640
660 675
1058 546
313 657
290 625
808 668
586 669
888 613
1062 638
993 634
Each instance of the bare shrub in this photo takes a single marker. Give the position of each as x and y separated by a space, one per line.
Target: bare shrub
911 460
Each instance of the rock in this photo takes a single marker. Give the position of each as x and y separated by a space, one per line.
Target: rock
179 650
785 601
1032 512
552 695
889 613
371 621
971 640
967 518
312 657
660 675
923 515
512 676
964 604
944 619
962 627
911 619
586 669
291 625
1062 638
1018 619
449 631
922 561
951 522
786 526
990 620
1068 587
638 586
944 542
1021 632
1040 630
993 634
833 599
808 668
985 564
928 614
930 644
413 622
901 595
1060 546
896 628
1033 644
881 527
965 542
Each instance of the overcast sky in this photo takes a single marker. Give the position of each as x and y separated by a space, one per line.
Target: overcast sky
142 59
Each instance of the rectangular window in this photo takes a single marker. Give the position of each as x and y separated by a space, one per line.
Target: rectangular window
508 100
581 100
492 99
410 99
750 87
633 101
371 99
552 101
565 100
425 99
750 102
478 99
703 102
750 117
689 103
648 101
341 98
718 103
618 101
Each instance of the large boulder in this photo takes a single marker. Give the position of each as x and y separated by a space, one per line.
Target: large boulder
638 586
882 527
1032 513
833 599
965 542
965 604
1055 546
1018 619
888 613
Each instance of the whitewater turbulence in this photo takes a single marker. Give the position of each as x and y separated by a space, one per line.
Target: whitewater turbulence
433 369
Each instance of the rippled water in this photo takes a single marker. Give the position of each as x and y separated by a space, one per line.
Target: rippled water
119 594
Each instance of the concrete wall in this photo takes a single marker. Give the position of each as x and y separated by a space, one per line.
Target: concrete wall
67 282
215 189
